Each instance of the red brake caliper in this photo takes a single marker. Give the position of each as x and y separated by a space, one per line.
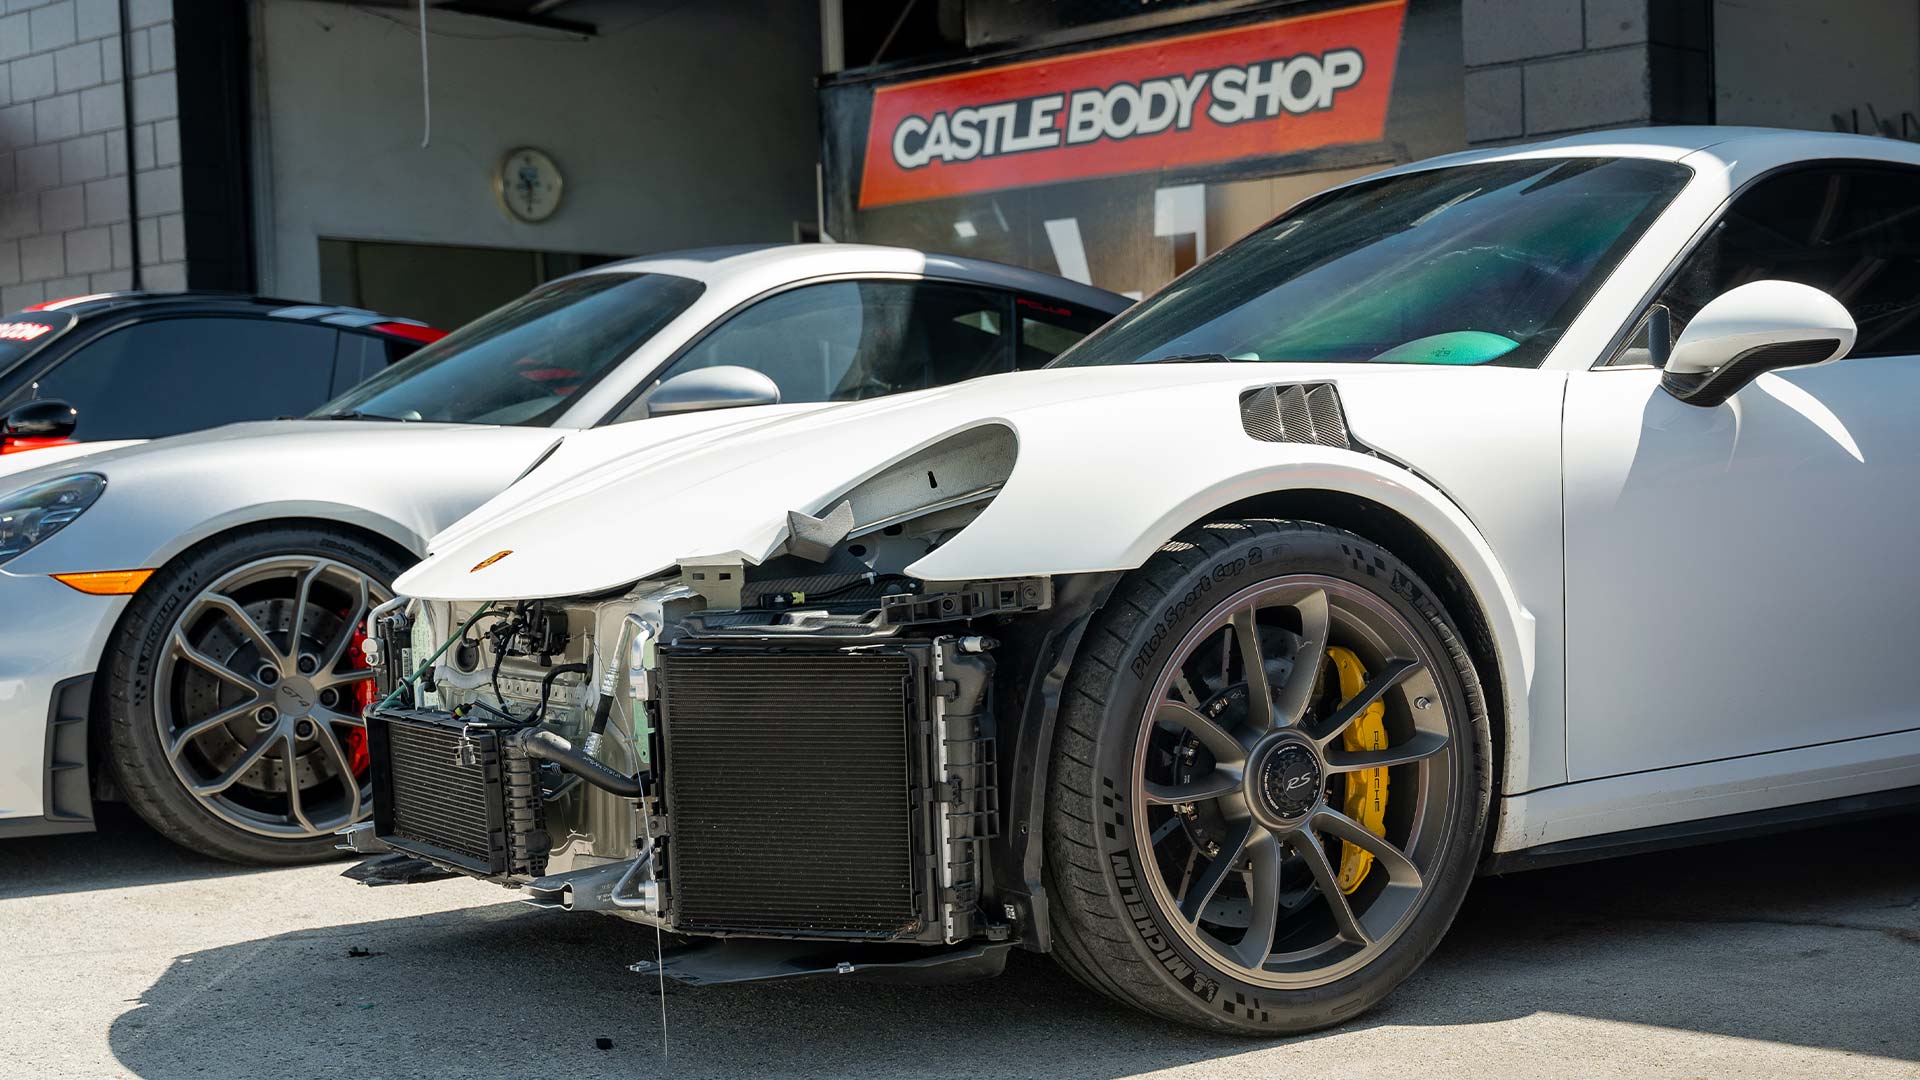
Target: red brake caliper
364 695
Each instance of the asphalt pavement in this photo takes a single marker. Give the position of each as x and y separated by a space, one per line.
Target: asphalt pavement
1791 956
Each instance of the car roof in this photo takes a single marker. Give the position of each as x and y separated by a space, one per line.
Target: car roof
1722 145
755 268
133 301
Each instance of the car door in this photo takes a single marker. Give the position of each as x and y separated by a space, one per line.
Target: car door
854 339
165 376
1739 577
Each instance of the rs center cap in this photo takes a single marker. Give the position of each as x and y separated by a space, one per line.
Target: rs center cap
1290 780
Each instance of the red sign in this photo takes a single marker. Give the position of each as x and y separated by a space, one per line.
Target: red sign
1250 91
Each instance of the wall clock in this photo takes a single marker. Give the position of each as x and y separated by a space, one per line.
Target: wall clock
528 184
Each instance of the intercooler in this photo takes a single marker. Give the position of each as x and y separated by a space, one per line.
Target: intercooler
797 791
454 793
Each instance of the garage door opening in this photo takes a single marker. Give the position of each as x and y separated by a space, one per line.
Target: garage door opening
442 285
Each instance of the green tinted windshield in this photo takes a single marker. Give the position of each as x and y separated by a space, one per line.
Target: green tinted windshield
1475 264
522 363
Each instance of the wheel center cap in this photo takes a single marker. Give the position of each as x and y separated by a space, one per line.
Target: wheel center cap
294 695
1288 779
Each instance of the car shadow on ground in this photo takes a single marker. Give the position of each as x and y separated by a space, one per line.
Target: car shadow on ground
123 852
1809 939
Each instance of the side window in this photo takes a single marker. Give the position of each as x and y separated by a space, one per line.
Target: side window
1853 231
360 357
357 358
845 340
170 376
1047 327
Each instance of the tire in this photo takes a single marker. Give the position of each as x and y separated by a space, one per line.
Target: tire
1128 795
148 682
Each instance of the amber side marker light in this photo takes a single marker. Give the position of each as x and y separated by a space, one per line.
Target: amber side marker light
106 582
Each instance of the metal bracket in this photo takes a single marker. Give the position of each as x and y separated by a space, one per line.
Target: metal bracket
717 578
974 600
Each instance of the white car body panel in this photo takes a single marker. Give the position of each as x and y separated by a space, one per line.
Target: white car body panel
1712 789
1593 573
404 482
1775 517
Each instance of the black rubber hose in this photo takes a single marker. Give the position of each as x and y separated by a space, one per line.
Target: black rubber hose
547 746
546 682
546 686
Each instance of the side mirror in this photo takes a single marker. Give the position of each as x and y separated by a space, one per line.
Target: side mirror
723 387
1755 328
32 424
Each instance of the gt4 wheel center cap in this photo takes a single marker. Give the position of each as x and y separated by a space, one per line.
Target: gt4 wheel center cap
294 696
1287 780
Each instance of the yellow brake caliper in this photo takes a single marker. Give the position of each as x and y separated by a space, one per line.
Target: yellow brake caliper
1367 789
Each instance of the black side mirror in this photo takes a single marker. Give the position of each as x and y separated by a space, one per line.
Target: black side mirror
47 418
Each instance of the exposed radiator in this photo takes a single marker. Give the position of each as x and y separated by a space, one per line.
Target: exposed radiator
453 794
791 788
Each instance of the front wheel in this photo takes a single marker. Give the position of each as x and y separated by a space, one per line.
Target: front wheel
1270 781
234 688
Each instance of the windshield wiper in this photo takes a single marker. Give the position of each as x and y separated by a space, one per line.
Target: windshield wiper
357 414
1195 358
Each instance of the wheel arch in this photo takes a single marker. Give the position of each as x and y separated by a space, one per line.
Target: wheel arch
1428 559
393 540
402 541
1425 528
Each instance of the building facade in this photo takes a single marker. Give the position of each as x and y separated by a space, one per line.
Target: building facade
313 149
1123 141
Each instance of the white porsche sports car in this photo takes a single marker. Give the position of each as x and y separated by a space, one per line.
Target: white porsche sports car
177 618
1516 507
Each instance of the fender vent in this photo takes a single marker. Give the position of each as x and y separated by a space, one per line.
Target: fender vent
1295 413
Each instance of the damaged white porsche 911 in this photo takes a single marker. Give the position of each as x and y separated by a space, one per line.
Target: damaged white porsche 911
1458 521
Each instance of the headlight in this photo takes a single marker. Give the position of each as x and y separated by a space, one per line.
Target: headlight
30 515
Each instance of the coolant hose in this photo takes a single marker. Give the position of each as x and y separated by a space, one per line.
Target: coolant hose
546 683
545 745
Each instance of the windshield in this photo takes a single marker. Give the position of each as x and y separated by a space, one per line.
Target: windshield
521 363
1476 264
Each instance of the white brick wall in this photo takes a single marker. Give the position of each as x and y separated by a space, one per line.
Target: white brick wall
64 225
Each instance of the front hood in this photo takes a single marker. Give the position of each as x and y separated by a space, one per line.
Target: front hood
639 515
272 444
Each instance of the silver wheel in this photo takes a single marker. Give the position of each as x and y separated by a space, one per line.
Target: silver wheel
258 693
1248 774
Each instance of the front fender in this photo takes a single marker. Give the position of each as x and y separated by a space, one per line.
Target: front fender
411 537
1115 516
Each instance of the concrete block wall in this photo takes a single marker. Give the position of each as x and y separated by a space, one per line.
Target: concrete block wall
65 225
1547 67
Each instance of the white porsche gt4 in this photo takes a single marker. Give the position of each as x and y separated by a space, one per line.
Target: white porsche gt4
178 618
1521 506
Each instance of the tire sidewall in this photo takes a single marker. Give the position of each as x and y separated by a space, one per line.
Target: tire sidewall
131 670
1204 580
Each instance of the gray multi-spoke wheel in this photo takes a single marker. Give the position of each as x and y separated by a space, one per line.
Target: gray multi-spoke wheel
235 690
1270 780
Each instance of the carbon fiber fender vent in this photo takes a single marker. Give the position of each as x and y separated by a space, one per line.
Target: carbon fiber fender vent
1295 413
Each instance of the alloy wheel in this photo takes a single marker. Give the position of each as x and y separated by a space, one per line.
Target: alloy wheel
259 691
1246 768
